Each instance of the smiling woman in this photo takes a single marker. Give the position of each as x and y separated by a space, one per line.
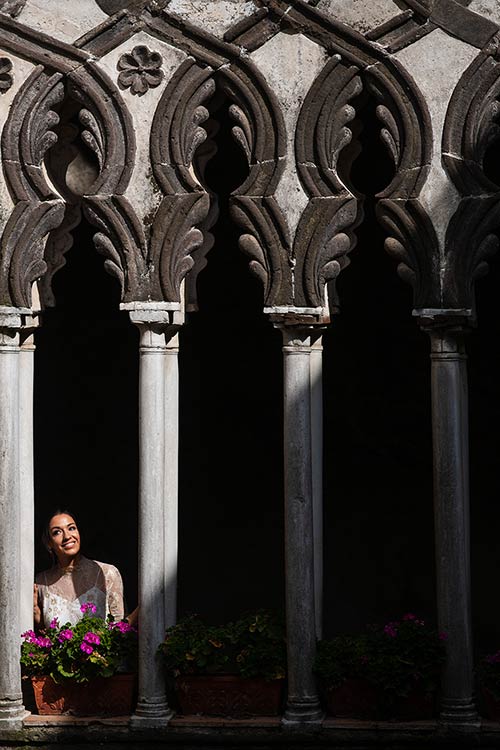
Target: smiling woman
74 581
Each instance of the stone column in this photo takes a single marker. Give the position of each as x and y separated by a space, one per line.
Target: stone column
451 511
171 426
157 415
303 703
11 707
27 496
317 474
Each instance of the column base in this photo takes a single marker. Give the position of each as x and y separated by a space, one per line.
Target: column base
299 712
12 714
459 712
152 713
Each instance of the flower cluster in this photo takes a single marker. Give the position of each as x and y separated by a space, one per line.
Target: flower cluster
92 648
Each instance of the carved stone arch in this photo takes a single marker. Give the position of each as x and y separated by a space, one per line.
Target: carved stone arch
178 246
26 137
325 231
260 131
407 135
471 126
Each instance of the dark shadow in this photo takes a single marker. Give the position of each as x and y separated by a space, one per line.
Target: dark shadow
85 410
231 476
379 552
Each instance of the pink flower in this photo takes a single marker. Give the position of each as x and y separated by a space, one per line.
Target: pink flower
443 636
65 635
43 642
29 636
493 658
122 626
391 629
88 607
409 616
54 624
86 648
92 638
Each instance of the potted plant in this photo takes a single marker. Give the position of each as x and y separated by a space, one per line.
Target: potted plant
392 671
405 665
342 664
77 669
234 670
489 678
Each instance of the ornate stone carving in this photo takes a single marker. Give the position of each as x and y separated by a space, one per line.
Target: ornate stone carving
6 76
176 134
324 235
471 126
140 70
12 7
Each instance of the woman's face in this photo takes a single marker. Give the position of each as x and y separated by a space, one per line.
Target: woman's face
64 537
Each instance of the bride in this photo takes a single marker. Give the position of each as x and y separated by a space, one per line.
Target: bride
73 581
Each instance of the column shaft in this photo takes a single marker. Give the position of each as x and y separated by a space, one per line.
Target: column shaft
451 508
317 477
11 708
27 505
152 707
303 704
171 431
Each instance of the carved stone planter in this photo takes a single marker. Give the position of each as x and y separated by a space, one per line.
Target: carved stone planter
104 696
228 695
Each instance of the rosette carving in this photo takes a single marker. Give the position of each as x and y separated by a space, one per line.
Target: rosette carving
178 244
325 231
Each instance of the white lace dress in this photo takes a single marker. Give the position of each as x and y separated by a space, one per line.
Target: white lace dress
61 593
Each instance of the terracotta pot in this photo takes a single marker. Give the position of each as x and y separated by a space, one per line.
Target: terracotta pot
491 704
228 695
103 696
354 699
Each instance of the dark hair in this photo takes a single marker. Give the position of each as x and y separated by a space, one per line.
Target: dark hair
46 527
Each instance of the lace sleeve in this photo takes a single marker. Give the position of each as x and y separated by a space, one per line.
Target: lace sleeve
114 592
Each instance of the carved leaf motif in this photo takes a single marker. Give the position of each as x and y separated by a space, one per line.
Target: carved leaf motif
6 77
413 244
266 242
389 133
12 7
21 260
121 241
92 136
59 241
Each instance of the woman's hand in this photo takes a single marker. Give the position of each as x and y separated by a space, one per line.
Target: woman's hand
37 612
133 617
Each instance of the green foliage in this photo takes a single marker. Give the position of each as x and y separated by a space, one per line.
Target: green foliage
253 646
92 648
395 658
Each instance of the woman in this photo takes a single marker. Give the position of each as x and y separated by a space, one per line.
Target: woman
74 580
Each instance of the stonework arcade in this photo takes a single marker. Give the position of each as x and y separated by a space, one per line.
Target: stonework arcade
110 118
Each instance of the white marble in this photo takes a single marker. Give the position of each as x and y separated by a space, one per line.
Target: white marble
171 467
66 21
487 8
290 63
142 191
359 14
436 63
316 374
214 17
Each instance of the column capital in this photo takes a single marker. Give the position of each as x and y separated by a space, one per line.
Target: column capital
300 338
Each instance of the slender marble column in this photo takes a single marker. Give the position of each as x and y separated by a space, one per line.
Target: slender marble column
27 505
11 707
171 426
152 708
303 703
451 509
317 474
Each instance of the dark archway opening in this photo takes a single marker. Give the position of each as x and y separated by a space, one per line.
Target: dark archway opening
379 553
85 412
231 475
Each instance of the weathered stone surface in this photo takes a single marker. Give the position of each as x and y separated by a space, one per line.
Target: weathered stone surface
361 15
142 191
290 63
488 8
436 63
52 18
214 17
